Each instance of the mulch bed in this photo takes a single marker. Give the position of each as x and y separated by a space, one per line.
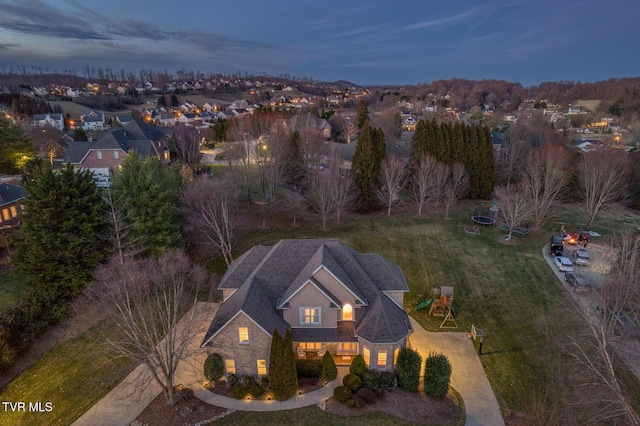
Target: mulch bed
412 407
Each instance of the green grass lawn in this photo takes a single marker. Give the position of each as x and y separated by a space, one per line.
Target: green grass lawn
72 377
13 289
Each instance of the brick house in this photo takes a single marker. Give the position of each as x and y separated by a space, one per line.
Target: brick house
108 152
331 297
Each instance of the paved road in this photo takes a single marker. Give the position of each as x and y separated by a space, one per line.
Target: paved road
119 407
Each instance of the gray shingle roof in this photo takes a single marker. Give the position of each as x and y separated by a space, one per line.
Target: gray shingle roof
11 194
265 277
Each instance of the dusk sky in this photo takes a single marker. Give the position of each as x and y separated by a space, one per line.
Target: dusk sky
373 42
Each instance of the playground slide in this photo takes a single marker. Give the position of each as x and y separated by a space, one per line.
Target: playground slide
423 304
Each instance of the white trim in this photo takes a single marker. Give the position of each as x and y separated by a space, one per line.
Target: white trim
301 315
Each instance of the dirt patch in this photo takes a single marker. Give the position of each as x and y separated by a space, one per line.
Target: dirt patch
412 407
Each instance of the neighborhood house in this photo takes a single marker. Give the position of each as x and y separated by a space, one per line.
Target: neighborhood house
331 297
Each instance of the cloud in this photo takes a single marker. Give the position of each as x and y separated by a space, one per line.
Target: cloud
442 21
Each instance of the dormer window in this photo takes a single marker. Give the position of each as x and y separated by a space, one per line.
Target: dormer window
347 312
310 315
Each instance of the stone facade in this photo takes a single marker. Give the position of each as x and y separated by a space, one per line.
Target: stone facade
227 344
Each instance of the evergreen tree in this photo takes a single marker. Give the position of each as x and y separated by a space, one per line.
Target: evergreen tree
276 377
79 134
294 168
437 375
408 368
149 191
15 147
362 114
60 244
370 151
329 369
290 372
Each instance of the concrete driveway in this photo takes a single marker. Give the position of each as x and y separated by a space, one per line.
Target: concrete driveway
467 374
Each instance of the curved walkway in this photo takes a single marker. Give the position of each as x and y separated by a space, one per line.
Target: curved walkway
119 407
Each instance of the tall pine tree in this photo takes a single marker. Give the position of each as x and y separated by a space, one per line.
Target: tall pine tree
61 243
289 366
276 357
370 151
362 114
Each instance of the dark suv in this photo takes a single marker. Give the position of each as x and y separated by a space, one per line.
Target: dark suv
556 248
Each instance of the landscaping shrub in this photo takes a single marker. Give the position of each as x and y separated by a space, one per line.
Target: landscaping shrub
329 370
256 390
309 367
352 381
232 380
379 393
388 380
264 382
350 403
238 391
437 375
248 381
342 394
371 379
358 366
358 401
408 369
368 395
214 367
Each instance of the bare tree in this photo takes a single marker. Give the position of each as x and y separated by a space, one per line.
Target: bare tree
515 206
185 142
47 140
293 201
602 181
208 207
392 178
422 182
344 123
613 307
153 308
518 140
119 235
545 176
320 196
440 178
457 186
342 189
239 157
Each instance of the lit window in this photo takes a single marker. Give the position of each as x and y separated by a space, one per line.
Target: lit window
395 355
5 214
116 154
382 359
230 366
367 355
310 346
243 332
347 348
310 315
14 211
99 153
347 312
262 367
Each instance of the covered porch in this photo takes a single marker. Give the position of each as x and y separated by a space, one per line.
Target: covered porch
340 342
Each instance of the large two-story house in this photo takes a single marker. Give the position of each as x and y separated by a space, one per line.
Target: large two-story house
108 152
331 297
11 197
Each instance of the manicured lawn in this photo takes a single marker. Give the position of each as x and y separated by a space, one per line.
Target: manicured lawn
13 289
72 376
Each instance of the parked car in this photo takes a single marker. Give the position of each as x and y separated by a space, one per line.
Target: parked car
577 282
581 256
556 247
564 264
